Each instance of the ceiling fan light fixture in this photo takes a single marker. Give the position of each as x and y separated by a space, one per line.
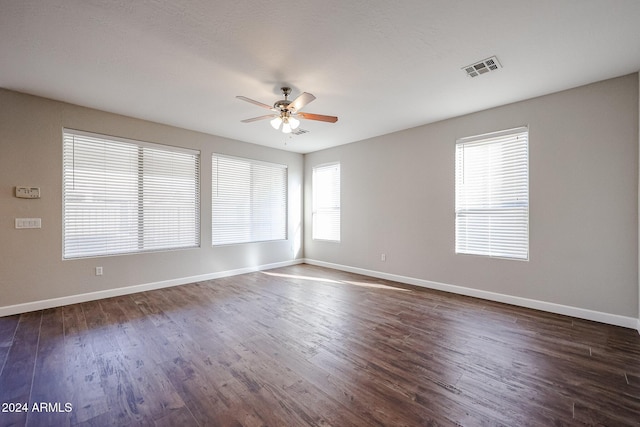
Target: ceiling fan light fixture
275 123
294 123
286 127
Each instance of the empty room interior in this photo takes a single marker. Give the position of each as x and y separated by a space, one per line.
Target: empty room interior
243 213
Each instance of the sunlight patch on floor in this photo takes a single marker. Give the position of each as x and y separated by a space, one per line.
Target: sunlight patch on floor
293 276
344 282
375 285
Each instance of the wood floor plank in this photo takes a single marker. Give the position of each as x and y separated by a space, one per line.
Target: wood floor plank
8 327
137 340
82 374
49 395
309 346
17 375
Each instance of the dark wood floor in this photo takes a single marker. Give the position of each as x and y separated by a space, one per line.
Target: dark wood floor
305 345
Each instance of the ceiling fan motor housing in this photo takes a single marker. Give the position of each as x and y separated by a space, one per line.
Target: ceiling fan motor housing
283 103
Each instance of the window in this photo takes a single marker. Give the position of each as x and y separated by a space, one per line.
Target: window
492 194
249 200
326 202
122 196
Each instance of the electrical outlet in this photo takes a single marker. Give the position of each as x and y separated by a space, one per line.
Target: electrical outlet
383 257
98 271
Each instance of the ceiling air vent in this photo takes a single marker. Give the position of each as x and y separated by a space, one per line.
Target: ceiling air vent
299 131
482 67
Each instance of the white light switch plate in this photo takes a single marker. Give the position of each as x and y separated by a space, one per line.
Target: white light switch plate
28 223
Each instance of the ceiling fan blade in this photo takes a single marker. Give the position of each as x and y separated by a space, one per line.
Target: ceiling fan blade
319 117
303 99
255 119
258 103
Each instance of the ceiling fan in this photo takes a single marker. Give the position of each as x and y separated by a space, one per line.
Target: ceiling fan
286 111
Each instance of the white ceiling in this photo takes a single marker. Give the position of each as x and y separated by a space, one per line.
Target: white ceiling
379 65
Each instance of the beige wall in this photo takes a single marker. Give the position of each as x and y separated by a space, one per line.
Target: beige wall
398 199
31 265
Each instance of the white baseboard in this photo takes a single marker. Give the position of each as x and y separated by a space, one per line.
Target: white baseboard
612 319
581 313
92 296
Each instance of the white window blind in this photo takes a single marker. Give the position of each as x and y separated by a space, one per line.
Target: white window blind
492 194
326 202
249 200
122 196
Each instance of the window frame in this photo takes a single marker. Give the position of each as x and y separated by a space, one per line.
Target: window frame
252 163
316 210
514 196
145 242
